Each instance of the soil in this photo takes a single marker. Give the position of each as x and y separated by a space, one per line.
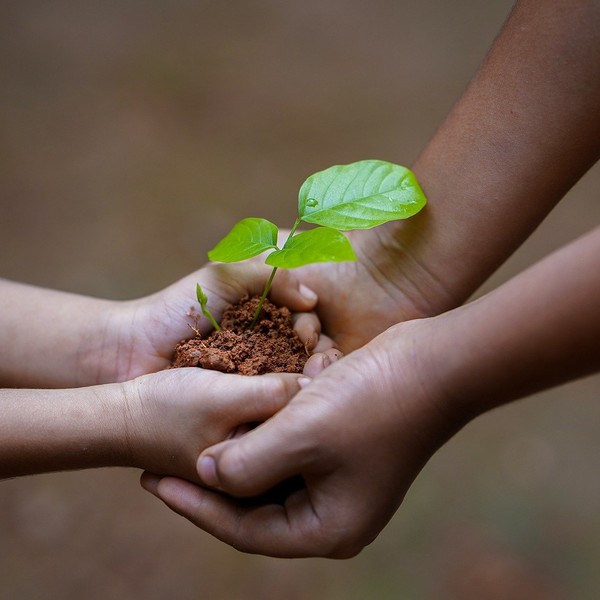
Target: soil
271 346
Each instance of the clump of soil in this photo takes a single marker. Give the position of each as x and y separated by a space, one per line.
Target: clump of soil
271 346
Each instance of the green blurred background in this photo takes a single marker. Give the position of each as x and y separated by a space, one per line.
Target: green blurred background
132 135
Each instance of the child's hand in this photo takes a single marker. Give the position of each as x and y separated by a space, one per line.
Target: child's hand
173 415
159 422
142 334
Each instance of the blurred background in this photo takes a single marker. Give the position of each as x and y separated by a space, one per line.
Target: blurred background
132 135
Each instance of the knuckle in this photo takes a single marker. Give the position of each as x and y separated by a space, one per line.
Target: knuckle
233 468
280 388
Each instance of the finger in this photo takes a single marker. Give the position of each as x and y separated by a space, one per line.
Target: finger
149 481
271 529
275 451
244 399
308 328
324 343
240 430
288 291
320 361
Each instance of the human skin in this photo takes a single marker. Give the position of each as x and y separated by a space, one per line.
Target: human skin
159 422
525 130
361 431
56 339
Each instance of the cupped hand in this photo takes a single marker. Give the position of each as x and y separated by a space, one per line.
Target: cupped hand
357 435
172 416
142 334
389 283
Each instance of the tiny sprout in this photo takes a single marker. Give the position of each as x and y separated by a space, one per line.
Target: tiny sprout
203 300
359 195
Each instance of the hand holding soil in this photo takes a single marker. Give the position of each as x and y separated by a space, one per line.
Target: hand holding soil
256 337
362 430
158 421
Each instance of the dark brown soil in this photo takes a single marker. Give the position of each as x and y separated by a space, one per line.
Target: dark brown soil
271 346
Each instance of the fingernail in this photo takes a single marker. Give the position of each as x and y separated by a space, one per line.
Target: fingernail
304 381
334 354
207 470
307 293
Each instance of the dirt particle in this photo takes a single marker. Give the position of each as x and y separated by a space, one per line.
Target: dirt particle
271 346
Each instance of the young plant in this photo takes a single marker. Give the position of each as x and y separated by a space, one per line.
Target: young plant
359 195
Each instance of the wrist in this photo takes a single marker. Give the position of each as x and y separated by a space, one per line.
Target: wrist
105 346
55 430
47 337
403 255
409 356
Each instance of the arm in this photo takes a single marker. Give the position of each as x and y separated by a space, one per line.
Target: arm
45 333
358 447
159 422
57 339
525 130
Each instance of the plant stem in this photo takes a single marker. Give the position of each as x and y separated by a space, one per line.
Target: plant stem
270 280
262 298
207 314
293 230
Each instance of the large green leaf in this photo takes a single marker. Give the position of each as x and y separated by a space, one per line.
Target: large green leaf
317 245
360 195
248 238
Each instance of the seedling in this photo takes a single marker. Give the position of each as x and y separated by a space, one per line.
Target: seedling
360 195
203 301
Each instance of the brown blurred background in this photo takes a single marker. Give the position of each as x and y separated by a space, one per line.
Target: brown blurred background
132 135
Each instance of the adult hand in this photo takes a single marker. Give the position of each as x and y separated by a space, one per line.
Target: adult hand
494 169
389 283
359 433
355 436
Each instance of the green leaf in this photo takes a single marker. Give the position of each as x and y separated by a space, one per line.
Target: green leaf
360 195
202 299
317 245
248 238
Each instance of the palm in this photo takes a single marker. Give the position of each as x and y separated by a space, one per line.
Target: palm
358 300
150 328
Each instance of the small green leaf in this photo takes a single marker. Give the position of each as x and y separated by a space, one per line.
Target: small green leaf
203 300
248 238
317 245
360 195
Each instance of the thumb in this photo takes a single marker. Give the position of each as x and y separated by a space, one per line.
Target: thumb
254 463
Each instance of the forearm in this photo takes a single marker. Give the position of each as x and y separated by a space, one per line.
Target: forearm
540 329
525 130
55 430
54 339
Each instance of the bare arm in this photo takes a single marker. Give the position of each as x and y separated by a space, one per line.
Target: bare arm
54 430
47 337
540 329
525 130
159 422
57 339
